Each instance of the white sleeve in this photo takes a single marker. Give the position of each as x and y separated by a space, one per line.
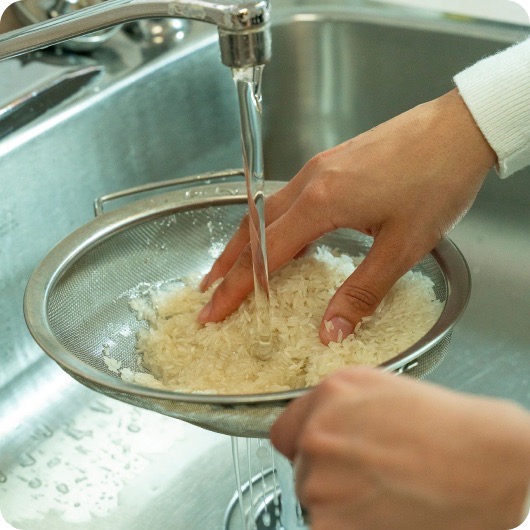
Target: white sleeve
497 92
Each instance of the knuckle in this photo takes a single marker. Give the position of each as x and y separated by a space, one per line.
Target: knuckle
316 162
322 167
361 299
321 189
220 297
317 438
315 196
310 491
330 387
311 443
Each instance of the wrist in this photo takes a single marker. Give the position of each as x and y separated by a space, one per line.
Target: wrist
464 127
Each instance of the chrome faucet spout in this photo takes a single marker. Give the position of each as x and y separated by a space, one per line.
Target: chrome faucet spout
244 33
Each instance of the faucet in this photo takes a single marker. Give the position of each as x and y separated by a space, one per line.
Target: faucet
244 33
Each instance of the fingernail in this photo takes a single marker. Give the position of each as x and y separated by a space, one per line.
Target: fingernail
336 329
204 315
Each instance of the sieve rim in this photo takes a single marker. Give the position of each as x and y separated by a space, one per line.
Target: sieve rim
58 260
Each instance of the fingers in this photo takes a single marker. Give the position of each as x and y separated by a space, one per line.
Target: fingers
363 291
285 238
275 206
229 255
285 431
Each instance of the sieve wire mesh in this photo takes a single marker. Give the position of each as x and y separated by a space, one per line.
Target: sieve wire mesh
85 302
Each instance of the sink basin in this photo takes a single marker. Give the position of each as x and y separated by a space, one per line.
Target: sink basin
72 458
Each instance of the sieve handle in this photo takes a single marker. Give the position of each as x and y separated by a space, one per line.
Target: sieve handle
201 178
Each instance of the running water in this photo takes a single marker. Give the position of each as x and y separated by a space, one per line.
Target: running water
235 458
248 85
265 497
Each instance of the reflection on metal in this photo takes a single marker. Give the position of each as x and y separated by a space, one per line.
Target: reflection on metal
244 32
154 120
34 11
27 108
158 31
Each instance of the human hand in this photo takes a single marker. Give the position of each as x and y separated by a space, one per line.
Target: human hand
373 450
406 183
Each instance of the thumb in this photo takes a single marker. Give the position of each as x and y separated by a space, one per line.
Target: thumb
365 288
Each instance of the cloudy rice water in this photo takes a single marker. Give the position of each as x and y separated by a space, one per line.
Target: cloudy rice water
182 355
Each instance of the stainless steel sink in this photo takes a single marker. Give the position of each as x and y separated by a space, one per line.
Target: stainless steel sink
70 458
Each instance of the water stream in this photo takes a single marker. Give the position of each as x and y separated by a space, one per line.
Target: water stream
259 497
248 86
265 497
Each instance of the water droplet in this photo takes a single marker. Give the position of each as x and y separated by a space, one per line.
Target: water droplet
109 344
35 483
262 453
98 406
266 518
134 428
62 488
54 462
46 431
77 434
3 478
26 460
42 431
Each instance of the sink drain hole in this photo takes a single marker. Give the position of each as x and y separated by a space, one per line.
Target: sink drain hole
266 500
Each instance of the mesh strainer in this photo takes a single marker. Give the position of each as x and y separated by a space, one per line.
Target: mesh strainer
77 301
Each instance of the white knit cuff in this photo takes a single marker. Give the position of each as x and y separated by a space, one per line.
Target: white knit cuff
497 93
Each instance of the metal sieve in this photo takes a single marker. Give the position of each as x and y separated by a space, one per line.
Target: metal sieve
76 303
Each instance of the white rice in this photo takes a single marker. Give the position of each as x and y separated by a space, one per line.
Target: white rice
182 355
